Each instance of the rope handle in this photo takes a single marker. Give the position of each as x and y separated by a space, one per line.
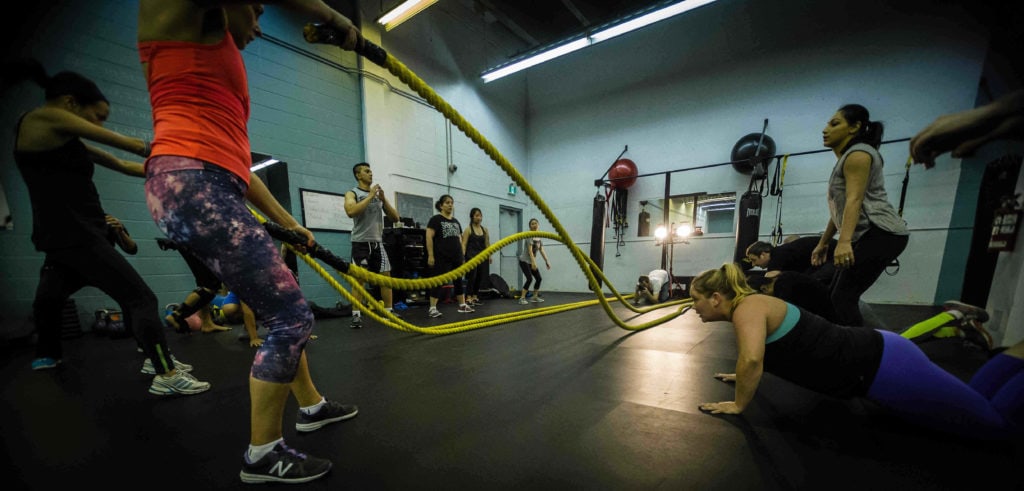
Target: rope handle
299 241
319 33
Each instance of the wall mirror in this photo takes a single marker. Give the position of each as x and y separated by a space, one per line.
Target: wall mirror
704 213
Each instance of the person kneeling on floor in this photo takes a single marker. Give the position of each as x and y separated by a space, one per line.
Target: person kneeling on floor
654 287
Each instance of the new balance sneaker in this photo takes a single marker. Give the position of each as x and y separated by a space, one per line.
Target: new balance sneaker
357 322
147 366
969 311
537 299
283 464
433 312
524 301
465 309
44 363
180 383
330 412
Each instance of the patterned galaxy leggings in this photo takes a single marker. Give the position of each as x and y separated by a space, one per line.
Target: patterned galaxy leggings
202 206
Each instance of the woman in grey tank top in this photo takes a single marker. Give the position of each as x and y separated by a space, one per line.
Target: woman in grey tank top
871 233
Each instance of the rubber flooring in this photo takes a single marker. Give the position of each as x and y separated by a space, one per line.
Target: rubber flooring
563 401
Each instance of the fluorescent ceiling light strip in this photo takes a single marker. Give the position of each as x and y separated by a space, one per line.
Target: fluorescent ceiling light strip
403 12
602 35
648 19
265 163
537 59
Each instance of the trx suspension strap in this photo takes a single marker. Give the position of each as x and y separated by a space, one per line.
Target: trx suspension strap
903 199
906 181
776 190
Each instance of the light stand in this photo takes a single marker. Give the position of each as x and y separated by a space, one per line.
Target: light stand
663 238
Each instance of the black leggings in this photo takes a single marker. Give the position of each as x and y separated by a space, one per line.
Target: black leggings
66 271
444 265
872 253
476 276
531 274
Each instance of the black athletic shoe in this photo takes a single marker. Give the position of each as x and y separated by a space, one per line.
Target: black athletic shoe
330 412
976 334
283 464
357 322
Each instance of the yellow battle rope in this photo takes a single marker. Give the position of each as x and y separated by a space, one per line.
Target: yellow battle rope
356 275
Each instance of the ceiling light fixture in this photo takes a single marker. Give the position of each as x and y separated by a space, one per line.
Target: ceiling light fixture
403 12
602 33
264 164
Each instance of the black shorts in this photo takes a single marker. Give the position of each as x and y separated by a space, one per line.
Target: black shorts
371 256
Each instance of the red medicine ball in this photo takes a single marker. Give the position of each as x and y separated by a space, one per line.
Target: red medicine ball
620 169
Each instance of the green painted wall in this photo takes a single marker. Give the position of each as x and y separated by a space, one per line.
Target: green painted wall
306 110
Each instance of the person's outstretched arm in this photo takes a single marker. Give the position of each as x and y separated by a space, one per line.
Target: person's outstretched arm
964 132
177 19
108 160
69 124
260 197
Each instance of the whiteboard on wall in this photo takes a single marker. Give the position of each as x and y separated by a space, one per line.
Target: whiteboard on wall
419 208
324 211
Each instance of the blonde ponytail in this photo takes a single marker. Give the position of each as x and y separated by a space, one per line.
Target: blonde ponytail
729 281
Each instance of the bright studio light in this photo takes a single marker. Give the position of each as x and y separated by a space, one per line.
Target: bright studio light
684 231
403 13
601 35
661 232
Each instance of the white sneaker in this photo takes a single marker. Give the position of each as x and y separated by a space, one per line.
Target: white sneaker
536 299
524 301
147 366
179 383
433 312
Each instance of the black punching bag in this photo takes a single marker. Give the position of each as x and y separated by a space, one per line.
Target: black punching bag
643 224
748 223
597 233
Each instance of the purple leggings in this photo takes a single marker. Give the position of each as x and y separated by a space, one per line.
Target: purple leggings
202 206
911 386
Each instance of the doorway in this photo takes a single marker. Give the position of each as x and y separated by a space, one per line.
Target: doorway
510 221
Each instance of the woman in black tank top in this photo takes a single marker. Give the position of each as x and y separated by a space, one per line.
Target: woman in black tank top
796 345
474 240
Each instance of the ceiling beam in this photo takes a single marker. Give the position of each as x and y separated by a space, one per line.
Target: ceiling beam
510 24
576 12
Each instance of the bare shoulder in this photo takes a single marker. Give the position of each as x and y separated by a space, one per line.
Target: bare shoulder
759 305
858 158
